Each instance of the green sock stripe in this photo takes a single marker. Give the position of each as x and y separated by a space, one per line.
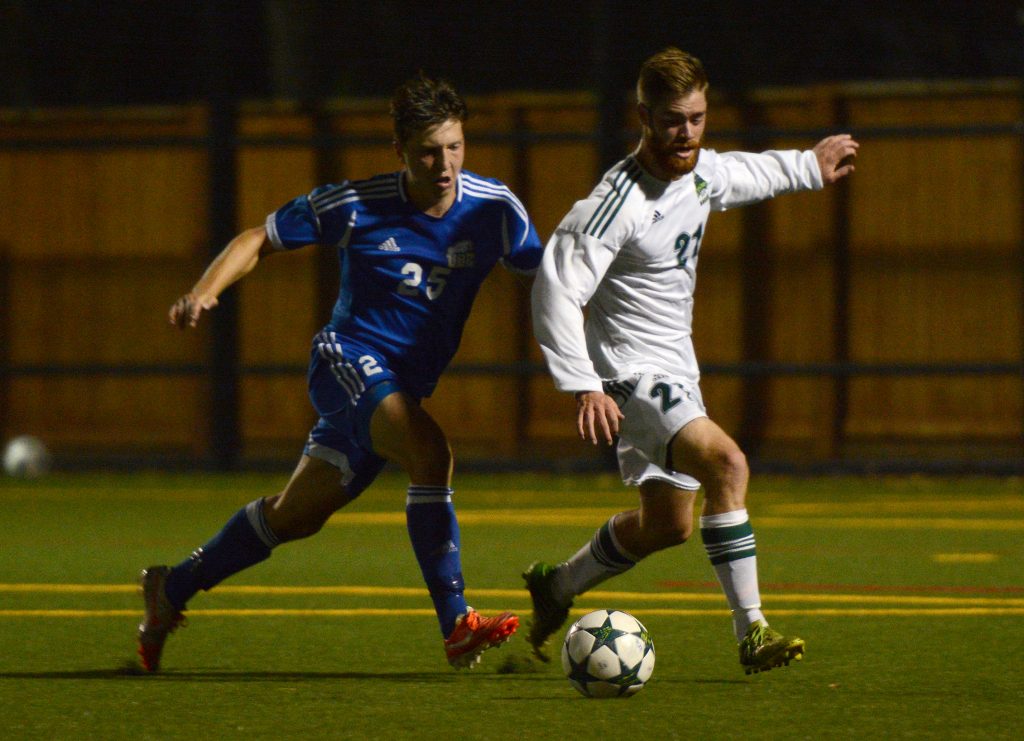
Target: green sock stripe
605 551
733 556
730 543
715 535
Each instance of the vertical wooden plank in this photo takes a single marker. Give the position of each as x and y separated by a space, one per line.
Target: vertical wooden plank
841 298
757 276
280 298
5 341
1020 253
935 278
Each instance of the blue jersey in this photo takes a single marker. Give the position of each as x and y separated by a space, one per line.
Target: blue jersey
408 279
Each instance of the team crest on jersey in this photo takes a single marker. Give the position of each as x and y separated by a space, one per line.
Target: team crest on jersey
461 255
701 186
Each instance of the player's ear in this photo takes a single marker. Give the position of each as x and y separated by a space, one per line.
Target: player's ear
398 149
644 113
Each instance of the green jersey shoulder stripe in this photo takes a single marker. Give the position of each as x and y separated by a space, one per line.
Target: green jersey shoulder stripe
609 207
606 211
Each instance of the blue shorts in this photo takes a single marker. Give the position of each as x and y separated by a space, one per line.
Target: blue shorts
346 383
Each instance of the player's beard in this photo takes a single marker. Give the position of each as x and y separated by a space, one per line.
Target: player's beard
665 156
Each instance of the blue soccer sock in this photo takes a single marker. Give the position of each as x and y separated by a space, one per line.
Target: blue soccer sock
434 532
244 540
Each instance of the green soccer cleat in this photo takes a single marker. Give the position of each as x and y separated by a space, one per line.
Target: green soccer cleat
763 649
548 615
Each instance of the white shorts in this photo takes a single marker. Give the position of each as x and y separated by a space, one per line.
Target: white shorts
656 406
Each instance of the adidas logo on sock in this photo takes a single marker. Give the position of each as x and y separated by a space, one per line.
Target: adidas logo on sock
447 547
389 245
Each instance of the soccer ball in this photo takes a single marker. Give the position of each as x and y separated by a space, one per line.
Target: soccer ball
608 653
26 457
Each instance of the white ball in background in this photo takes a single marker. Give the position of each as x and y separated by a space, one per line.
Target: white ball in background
26 457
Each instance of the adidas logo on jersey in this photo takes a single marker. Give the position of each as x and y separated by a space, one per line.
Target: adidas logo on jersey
657 217
389 245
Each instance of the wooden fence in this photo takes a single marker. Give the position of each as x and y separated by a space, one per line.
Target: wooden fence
881 319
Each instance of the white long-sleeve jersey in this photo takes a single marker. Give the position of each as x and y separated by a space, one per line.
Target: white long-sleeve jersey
628 252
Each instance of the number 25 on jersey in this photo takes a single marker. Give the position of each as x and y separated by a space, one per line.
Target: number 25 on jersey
435 282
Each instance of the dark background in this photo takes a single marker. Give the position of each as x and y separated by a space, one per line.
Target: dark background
75 52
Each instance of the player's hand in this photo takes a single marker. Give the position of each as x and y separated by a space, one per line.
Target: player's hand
835 156
597 416
186 310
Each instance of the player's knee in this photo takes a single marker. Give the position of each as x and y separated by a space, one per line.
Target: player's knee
301 528
665 532
730 466
290 522
681 532
430 462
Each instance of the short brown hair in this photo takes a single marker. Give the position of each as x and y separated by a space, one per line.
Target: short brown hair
669 74
421 102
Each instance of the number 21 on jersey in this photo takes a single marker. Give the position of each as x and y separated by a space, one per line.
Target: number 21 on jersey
687 247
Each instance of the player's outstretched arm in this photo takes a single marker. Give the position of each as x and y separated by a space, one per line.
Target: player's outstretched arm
597 415
835 156
234 261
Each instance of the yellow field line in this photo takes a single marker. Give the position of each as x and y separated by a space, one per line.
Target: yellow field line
941 506
593 516
260 612
600 596
353 591
426 612
965 557
844 611
891 523
964 502
899 599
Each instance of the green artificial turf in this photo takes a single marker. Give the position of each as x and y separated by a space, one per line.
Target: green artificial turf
907 590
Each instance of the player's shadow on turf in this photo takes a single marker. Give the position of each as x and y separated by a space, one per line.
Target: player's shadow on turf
238 676
221 675
711 681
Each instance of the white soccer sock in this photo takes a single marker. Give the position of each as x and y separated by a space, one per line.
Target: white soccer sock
729 542
600 559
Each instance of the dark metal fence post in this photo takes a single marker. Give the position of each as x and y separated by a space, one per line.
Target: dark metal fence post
607 83
523 337
222 151
611 120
